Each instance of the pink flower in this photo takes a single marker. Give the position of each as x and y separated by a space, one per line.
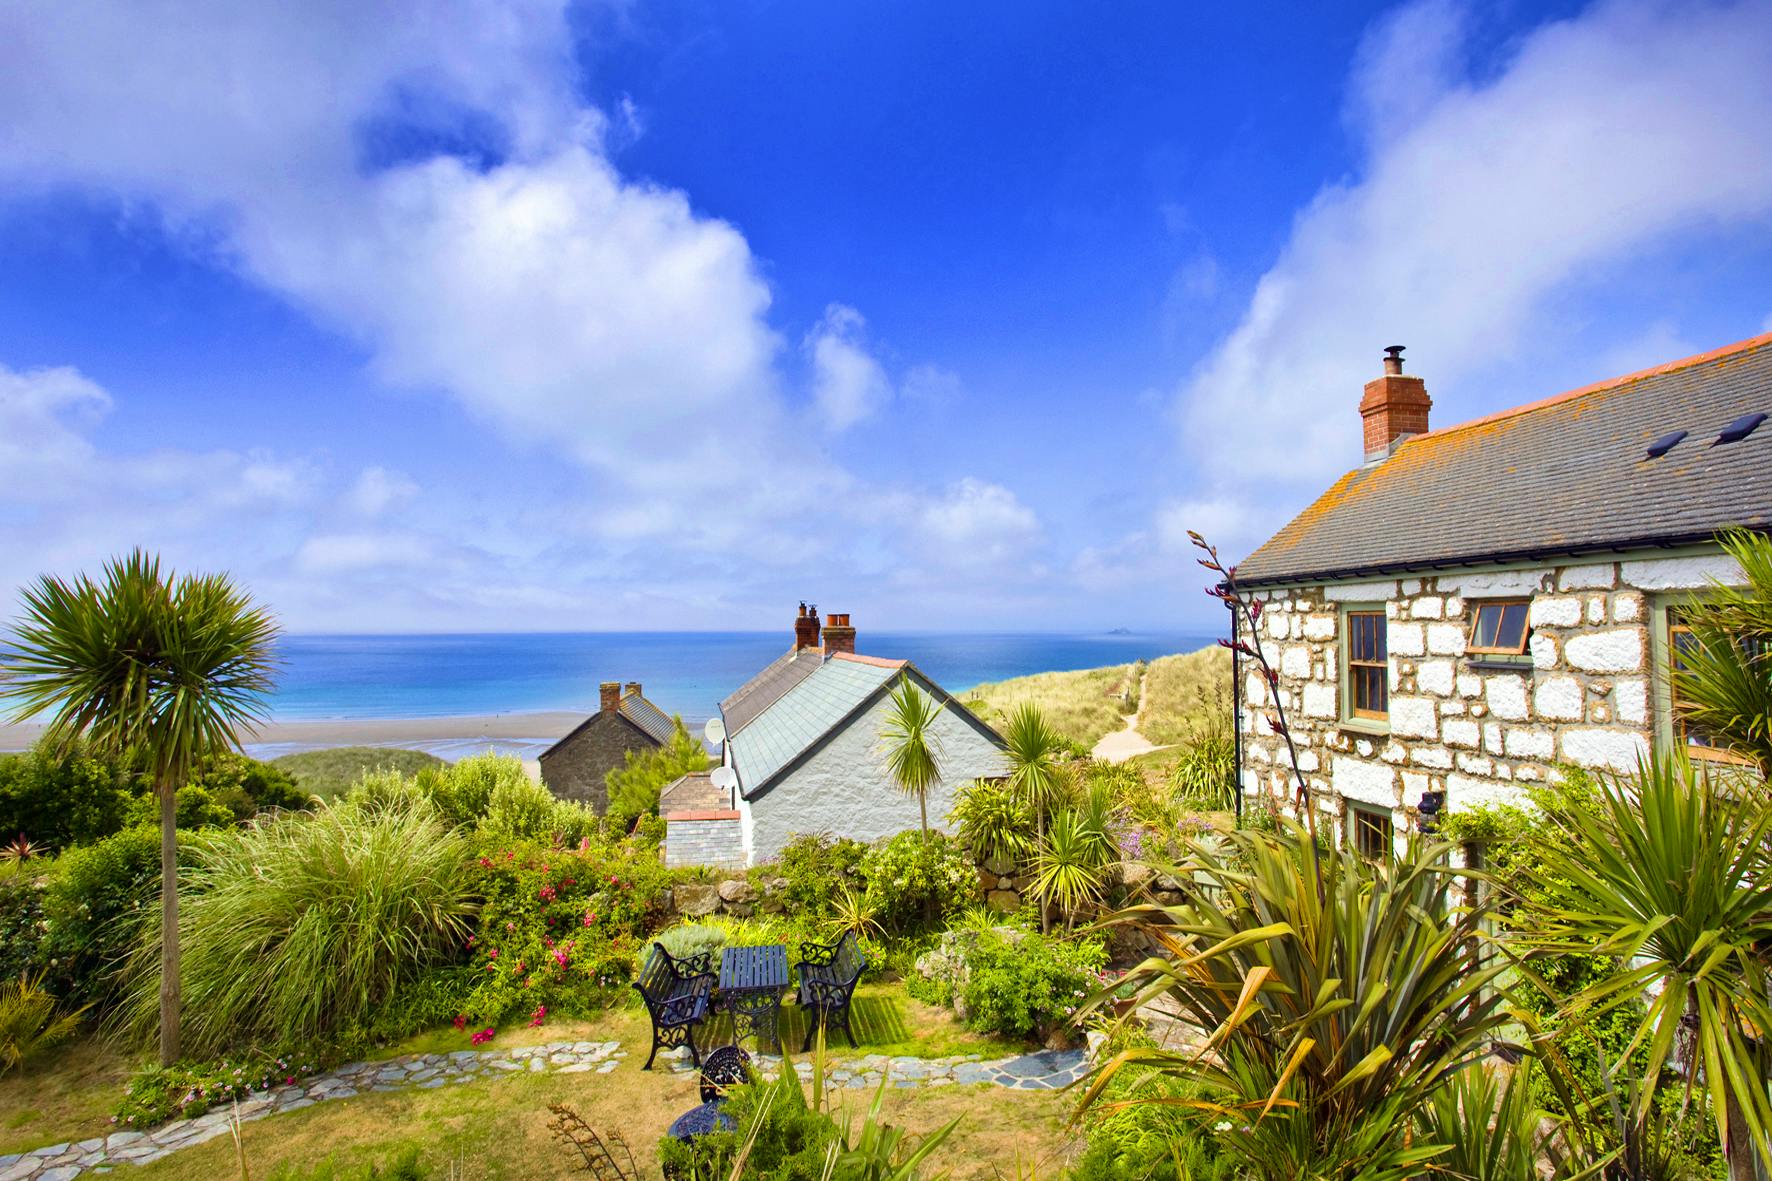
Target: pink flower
483 1036
536 1018
590 917
493 954
461 1021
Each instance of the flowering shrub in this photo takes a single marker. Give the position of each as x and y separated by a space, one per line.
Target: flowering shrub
160 1093
813 864
909 884
559 926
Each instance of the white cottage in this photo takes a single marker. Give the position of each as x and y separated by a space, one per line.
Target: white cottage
805 755
1476 605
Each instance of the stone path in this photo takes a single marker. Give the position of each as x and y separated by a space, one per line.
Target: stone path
1047 1070
61 1162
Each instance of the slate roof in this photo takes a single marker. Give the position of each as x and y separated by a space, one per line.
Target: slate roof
812 707
647 716
1565 476
767 687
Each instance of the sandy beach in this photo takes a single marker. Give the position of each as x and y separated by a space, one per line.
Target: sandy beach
500 730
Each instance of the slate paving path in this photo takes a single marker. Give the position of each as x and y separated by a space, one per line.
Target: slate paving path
62 1162
1047 1070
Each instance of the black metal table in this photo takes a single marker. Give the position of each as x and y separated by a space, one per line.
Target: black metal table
752 981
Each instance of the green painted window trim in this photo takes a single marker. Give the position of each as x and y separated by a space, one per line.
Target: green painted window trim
1351 826
1346 719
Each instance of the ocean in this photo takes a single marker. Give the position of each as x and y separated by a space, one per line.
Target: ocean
429 676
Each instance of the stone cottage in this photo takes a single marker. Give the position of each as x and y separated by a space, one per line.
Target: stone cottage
1474 606
803 749
574 767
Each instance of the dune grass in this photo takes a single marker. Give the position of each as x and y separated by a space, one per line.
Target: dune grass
1186 693
1082 706
327 773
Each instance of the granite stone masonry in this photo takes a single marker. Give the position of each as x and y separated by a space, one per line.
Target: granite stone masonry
1589 691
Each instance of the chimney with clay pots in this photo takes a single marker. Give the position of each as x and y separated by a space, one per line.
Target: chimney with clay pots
1394 408
806 628
609 696
838 635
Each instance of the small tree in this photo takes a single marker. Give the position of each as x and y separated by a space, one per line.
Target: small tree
145 665
913 751
1035 775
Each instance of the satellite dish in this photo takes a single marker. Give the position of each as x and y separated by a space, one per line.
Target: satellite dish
724 778
714 732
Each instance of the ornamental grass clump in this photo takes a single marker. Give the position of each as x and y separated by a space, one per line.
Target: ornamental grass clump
297 930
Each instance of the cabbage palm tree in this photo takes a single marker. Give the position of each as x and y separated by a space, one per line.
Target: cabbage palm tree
1035 775
150 666
913 751
1671 876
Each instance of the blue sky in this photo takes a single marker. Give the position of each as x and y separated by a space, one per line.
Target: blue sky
607 316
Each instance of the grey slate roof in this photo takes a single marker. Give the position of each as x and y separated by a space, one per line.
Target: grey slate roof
814 705
767 687
1568 475
647 716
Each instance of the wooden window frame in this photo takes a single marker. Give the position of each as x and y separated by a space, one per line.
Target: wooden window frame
1477 606
1351 715
1670 727
1364 817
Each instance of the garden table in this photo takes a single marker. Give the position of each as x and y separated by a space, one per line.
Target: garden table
752 981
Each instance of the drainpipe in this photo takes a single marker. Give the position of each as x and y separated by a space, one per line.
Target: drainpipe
1236 716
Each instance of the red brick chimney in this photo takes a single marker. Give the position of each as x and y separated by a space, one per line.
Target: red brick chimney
838 635
806 627
609 696
1395 407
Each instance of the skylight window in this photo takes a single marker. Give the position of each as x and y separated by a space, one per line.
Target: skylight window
1665 444
1740 429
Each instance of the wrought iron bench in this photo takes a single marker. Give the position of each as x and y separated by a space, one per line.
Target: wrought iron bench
828 975
677 993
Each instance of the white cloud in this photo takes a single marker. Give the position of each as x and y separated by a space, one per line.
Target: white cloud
975 524
341 553
1478 200
377 490
931 385
848 384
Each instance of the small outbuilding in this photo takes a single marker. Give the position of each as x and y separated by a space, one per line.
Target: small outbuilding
575 767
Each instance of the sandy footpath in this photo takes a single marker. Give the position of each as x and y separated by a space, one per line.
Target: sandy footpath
376 731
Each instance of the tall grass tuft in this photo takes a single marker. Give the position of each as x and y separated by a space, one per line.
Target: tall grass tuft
296 930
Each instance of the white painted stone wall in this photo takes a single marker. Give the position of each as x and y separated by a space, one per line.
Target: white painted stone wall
844 790
1476 734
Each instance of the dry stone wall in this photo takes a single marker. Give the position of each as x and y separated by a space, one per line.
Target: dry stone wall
1478 734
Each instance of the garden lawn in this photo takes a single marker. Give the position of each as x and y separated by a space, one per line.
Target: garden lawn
498 1127
66 1095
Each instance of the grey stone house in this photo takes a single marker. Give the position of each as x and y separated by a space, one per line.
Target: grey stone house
804 751
1474 606
574 767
